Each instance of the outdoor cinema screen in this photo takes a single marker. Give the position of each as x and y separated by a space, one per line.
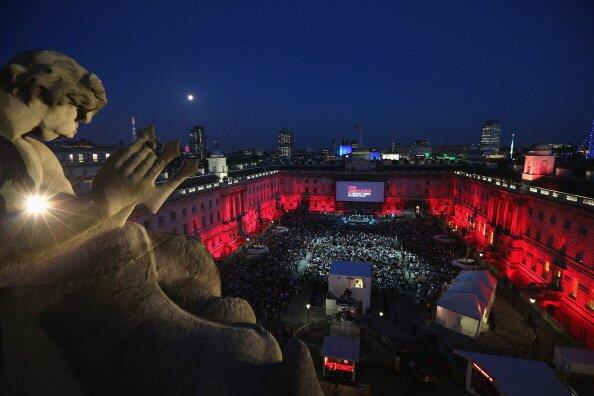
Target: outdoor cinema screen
360 191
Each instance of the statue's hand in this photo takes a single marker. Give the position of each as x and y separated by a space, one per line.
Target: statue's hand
128 175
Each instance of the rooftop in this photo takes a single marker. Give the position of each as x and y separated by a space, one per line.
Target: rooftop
520 377
353 268
341 348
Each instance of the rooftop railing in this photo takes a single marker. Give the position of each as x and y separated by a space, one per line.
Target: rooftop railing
230 181
532 190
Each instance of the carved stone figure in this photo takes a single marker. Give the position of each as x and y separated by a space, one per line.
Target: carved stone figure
90 303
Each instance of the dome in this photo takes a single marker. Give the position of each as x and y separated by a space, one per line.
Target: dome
217 153
541 149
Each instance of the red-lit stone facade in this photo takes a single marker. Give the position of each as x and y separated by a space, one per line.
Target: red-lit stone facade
541 240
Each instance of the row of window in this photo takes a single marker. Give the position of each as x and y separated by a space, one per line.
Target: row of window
92 157
553 220
195 225
579 257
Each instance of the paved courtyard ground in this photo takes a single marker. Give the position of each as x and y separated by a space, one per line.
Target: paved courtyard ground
420 340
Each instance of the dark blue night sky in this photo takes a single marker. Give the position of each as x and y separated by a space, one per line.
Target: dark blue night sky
408 70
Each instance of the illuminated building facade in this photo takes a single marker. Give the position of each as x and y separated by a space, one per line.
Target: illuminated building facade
285 143
490 137
538 235
539 238
81 159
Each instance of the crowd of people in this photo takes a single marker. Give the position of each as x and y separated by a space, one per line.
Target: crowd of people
402 251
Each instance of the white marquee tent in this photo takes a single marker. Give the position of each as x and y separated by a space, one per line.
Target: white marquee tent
465 305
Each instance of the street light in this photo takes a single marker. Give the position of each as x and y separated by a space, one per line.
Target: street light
381 314
532 301
308 307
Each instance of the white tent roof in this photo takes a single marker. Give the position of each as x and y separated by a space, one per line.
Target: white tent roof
576 355
477 288
465 304
478 276
520 377
469 294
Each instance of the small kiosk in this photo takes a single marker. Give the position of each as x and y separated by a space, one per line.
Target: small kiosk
340 355
348 281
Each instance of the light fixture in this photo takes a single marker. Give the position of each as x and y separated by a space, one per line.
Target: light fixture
190 97
36 204
532 301
481 254
307 306
381 314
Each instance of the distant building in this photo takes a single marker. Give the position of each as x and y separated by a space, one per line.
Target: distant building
421 148
80 159
198 141
390 156
345 150
285 143
217 164
451 151
490 137
539 162
563 148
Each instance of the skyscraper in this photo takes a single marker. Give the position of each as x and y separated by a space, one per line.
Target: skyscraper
198 141
491 133
285 143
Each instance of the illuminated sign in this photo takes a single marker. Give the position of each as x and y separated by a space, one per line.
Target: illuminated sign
359 191
345 365
355 192
345 150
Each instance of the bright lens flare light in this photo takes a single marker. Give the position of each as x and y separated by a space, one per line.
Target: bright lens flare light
36 204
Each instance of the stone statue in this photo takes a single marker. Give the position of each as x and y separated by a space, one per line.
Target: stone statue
90 303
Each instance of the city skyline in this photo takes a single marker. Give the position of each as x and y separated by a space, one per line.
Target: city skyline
406 73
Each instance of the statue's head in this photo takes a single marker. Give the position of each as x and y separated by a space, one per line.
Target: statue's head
65 91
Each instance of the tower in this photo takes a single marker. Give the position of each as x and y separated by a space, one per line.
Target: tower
285 143
217 164
511 148
198 141
490 135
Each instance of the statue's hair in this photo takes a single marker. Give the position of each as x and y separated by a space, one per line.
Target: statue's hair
55 79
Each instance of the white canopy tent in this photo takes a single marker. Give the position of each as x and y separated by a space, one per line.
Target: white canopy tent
474 276
465 306
491 374
575 360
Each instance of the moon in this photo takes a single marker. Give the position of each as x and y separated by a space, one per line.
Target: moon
190 97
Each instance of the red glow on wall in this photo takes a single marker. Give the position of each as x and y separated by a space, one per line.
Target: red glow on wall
521 235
